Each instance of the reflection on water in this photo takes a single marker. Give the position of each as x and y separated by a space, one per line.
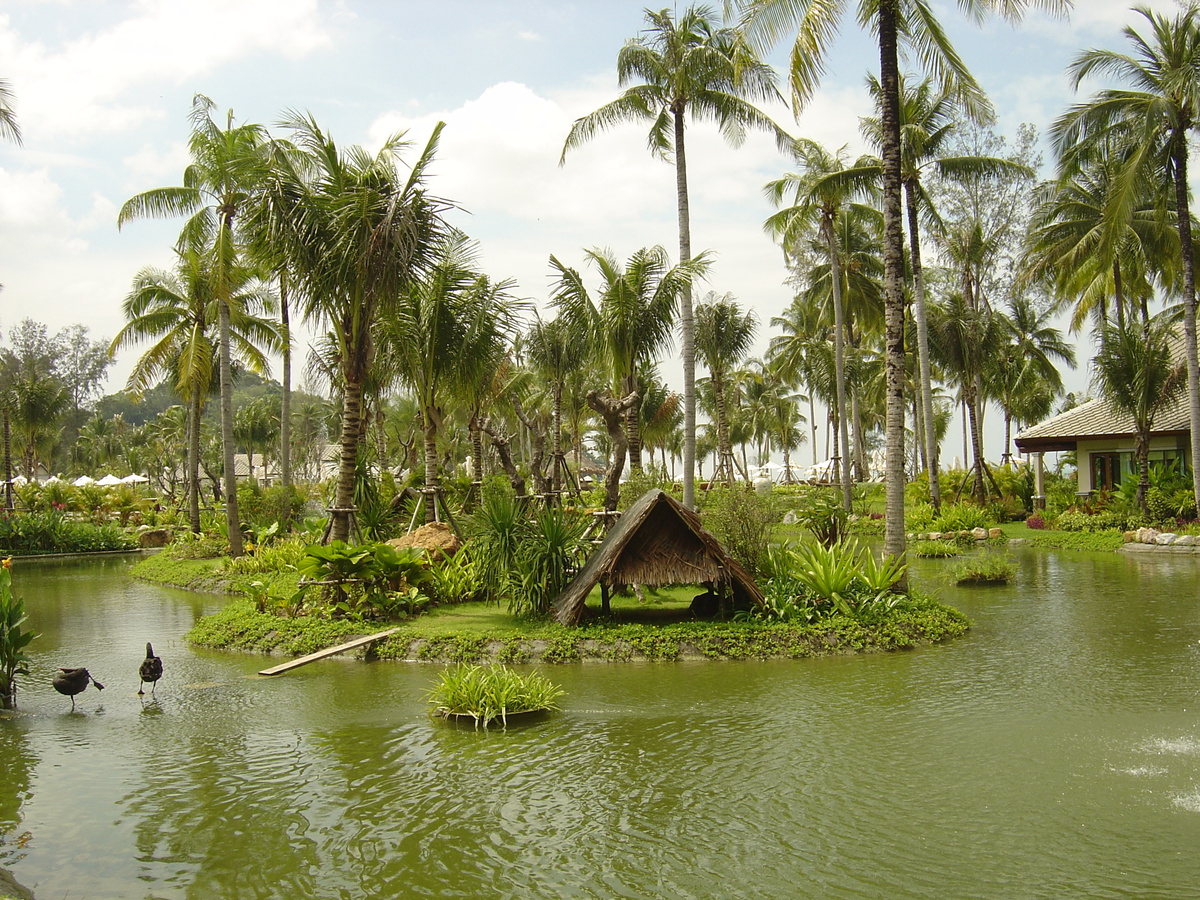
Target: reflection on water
1054 751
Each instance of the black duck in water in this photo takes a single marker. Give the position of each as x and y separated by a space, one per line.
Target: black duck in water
74 681
150 671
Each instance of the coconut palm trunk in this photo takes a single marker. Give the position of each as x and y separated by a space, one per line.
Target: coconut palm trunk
1183 215
195 408
841 453
343 495
8 473
556 482
429 431
285 401
971 394
921 321
893 291
687 331
232 520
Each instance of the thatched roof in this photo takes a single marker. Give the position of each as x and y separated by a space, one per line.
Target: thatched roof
655 542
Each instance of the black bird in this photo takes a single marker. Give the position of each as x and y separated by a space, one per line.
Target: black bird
74 681
150 670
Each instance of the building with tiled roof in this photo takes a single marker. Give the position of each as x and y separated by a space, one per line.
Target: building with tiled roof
1102 439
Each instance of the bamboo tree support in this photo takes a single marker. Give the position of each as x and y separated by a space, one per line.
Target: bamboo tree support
559 467
354 533
438 500
986 471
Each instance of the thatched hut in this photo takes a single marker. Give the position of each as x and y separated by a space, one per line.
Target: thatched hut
657 542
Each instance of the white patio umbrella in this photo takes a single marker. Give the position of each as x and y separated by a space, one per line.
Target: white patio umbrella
134 479
108 481
83 480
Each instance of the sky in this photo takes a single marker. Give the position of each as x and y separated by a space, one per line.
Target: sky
103 89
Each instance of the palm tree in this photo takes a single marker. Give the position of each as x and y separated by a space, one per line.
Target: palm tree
256 428
450 329
1073 248
38 400
176 312
631 321
355 234
894 22
690 66
927 124
966 337
226 165
9 127
1152 121
554 353
1025 375
724 335
821 195
803 355
1139 376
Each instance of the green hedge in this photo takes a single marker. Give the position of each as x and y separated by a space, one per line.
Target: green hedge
34 533
915 621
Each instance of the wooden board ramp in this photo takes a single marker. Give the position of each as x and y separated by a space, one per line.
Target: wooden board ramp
328 651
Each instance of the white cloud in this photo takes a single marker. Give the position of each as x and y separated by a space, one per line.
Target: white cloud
86 85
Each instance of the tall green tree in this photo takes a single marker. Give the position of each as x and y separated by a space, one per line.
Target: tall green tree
724 335
681 68
555 352
821 196
1025 378
1140 377
928 122
10 129
802 354
1091 268
895 23
631 318
451 327
175 312
355 234
226 166
1153 119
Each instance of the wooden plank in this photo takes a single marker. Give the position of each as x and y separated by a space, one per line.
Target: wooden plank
328 651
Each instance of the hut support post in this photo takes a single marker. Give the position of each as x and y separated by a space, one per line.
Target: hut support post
605 608
1039 481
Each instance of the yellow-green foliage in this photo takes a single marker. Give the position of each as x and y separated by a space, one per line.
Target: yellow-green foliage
489 693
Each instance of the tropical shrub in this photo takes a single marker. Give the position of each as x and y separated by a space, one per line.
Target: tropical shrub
495 534
1035 522
372 580
839 579
962 517
455 579
551 550
31 533
491 693
920 517
822 513
741 520
13 640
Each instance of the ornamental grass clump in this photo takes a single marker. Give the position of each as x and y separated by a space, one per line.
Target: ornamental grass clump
491 693
987 568
934 549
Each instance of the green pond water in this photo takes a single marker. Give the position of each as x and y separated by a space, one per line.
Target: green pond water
1053 752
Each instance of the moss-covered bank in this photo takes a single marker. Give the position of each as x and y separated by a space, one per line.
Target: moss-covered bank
916 622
